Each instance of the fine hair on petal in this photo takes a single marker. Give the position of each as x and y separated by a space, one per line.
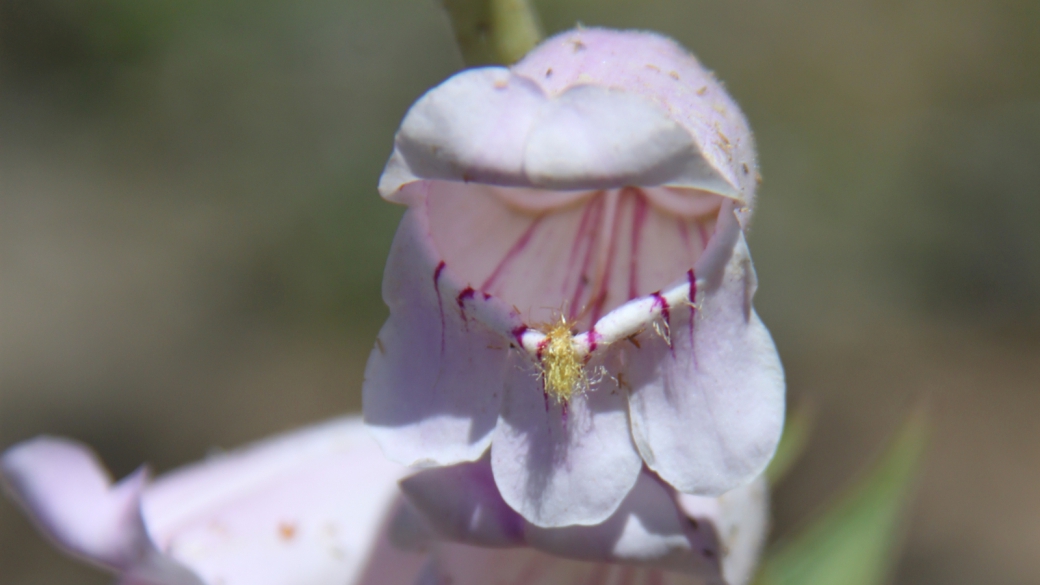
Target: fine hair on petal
663 330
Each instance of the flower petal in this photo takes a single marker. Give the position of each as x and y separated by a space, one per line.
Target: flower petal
472 127
307 508
740 518
628 108
511 253
729 531
67 492
461 564
463 504
582 260
433 383
561 464
656 68
707 404
593 137
647 529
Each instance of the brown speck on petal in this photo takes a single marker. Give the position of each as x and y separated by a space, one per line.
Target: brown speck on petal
621 383
702 90
287 531
653 67
674 75
548 73
578 45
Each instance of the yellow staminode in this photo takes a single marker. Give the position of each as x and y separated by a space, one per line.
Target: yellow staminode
563 371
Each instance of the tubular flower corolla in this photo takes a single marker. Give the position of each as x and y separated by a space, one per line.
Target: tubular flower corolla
322 506
570 284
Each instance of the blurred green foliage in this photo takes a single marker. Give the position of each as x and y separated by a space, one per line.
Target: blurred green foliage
797 431
855 539
92 37
973 240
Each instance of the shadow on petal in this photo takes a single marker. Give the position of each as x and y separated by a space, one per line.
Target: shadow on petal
566 463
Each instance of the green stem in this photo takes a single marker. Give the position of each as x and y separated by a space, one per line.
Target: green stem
496 32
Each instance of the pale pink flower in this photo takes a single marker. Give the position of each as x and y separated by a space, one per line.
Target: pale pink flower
321 506
570 285
306 508
655 532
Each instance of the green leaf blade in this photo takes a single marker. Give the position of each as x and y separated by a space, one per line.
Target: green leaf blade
798 428
855 539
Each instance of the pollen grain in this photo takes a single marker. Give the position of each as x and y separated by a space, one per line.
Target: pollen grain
563 370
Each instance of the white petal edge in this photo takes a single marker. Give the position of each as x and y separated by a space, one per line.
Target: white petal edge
741 520
462 503
68 494
648 529
707 405
489 126
434 380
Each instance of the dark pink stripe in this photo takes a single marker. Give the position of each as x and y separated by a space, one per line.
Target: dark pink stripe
512 253
583 226
638 220
518 334
665 308
594 338
666 313
705 237
440 303
467 293
684 233
437 273
583 275
601 295
692 277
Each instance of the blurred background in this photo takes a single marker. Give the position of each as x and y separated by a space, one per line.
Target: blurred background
191 241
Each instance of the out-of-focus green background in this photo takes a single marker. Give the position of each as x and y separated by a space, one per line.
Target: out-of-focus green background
191 242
